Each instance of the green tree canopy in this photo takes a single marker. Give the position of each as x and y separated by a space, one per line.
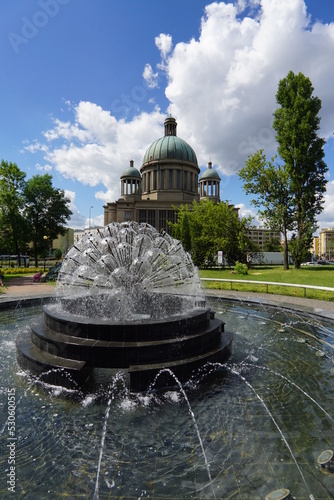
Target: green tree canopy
297 123
291 195
14 232
270 184
208 228
46 210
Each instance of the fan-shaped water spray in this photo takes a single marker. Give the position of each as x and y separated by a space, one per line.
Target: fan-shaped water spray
129 259
128 297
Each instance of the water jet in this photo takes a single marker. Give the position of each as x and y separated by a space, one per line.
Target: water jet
128 297
146 444
240 426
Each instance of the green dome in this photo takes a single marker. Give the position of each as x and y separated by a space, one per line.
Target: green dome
170 147
210 174
131 172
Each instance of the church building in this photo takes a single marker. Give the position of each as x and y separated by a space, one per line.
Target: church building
168 178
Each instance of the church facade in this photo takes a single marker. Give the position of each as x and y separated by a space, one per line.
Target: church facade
168 178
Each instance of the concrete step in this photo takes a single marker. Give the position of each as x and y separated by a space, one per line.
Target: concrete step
141 376
48 367
107 354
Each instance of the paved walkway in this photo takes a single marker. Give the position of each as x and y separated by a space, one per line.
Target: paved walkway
24 288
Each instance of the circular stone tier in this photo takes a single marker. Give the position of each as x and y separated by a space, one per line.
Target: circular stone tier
72 339
115 310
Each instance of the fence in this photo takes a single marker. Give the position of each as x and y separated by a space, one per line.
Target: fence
271 283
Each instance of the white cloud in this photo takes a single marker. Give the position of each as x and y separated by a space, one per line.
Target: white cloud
150 77
34 147
96 148
77 220
248 212
164 43
326 219
41 168
222 86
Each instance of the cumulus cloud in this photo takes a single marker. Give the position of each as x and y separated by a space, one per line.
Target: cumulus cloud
150 77
326 219
164 44
96 148
221 87
249 212
43 168
77 220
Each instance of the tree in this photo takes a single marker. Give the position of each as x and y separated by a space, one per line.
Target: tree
213 227
13 226
297 123
273 245
185 233
46 211
271 185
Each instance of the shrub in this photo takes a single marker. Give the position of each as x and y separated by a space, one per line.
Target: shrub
21 270
241 268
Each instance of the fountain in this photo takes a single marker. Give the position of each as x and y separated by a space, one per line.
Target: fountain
129 298
105 440
258 425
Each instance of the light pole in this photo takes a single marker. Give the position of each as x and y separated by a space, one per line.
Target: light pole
45 238
90 216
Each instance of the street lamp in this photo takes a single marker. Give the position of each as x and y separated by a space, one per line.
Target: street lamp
90 216
45 238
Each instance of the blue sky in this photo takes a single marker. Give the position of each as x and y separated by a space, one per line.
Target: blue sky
85 86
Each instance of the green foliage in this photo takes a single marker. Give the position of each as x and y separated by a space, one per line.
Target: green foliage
291 195
297 123
46 209
14 230
52 274
20 270
315 275
206 228
30 210
185 233
273 245
57 253
270 185
241 268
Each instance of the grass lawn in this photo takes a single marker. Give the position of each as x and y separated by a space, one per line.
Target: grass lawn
316 276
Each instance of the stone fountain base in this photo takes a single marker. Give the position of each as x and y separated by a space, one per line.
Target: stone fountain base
64 347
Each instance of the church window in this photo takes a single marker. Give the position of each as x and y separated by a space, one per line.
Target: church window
178 179
170 182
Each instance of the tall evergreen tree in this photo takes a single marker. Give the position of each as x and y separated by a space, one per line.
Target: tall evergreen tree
297 123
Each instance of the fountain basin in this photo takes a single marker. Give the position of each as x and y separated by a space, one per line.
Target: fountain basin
64 347
151 445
